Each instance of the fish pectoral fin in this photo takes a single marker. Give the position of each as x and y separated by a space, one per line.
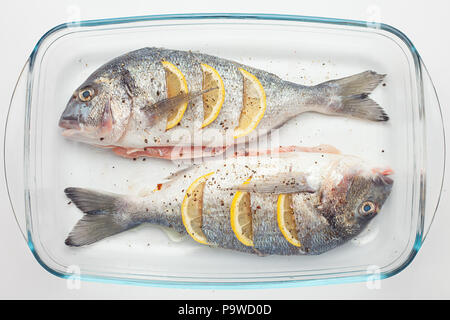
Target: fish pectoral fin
291 182
162 108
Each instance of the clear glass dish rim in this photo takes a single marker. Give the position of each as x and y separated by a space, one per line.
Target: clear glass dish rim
228 285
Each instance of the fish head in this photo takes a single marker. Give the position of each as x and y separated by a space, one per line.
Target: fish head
98 110
354 195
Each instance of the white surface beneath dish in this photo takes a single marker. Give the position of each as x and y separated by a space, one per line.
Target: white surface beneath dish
427 277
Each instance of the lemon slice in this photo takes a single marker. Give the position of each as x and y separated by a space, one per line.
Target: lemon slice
241 217
286 220
212 100
254 105
191 209
176 84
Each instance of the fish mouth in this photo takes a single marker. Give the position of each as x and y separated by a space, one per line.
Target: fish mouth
70 132
384 180
382 176
70 126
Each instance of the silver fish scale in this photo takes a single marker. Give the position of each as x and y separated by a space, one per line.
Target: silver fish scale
140 107
233 82
216 223
279 96
217 199
267 237
149 78
313 230
282 99
163 209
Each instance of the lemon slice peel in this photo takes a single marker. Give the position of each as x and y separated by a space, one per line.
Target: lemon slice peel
175 84
241 217
253 104
214 99
286 219
191 209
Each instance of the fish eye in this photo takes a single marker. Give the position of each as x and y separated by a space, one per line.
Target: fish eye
367 207
86 94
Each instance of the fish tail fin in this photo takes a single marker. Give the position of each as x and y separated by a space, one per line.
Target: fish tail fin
104 216
360 106
349 96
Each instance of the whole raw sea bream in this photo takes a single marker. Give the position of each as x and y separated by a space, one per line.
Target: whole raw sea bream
179 104
285 202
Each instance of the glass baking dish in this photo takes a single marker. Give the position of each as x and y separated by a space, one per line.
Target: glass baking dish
39 162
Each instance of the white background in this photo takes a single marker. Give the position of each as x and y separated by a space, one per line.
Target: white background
22 23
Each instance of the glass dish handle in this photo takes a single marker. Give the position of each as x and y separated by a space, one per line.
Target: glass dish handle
435 152
13 150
